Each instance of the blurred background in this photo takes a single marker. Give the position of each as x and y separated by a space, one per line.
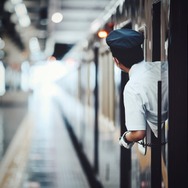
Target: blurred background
32 30
35 35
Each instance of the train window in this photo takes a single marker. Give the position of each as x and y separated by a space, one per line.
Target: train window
148 33
164 29
106 88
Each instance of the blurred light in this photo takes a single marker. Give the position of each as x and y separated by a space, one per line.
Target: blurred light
2 43
8 6
25 68
57 17
2 79
16 1
34 45
24 21
102 34
46 73
20 9
21 12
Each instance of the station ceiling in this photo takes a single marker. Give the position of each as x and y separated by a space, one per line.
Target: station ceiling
78 15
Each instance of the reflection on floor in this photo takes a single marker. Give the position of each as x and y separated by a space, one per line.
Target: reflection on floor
41 154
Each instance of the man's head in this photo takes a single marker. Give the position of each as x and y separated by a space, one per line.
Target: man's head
125 45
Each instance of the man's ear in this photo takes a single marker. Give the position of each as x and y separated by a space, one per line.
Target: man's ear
116 61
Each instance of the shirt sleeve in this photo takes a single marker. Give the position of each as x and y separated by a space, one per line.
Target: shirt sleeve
134 110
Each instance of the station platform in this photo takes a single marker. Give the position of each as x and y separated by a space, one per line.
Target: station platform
40 153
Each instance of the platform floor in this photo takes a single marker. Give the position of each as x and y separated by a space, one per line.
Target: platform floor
40 153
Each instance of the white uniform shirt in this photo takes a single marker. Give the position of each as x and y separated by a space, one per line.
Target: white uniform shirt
141 93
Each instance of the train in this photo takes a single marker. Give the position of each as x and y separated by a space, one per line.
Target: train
93 92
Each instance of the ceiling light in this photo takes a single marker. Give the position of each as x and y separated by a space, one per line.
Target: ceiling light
102 34
57 17
16 1
20 9
24 21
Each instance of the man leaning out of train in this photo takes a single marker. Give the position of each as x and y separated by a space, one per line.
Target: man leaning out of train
140 92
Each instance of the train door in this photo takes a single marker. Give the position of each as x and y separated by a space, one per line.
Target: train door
141 167
159 161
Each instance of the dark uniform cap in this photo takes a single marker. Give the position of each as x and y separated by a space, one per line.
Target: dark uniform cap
125 45
124 39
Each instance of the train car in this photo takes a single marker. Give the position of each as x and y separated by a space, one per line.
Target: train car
95 112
